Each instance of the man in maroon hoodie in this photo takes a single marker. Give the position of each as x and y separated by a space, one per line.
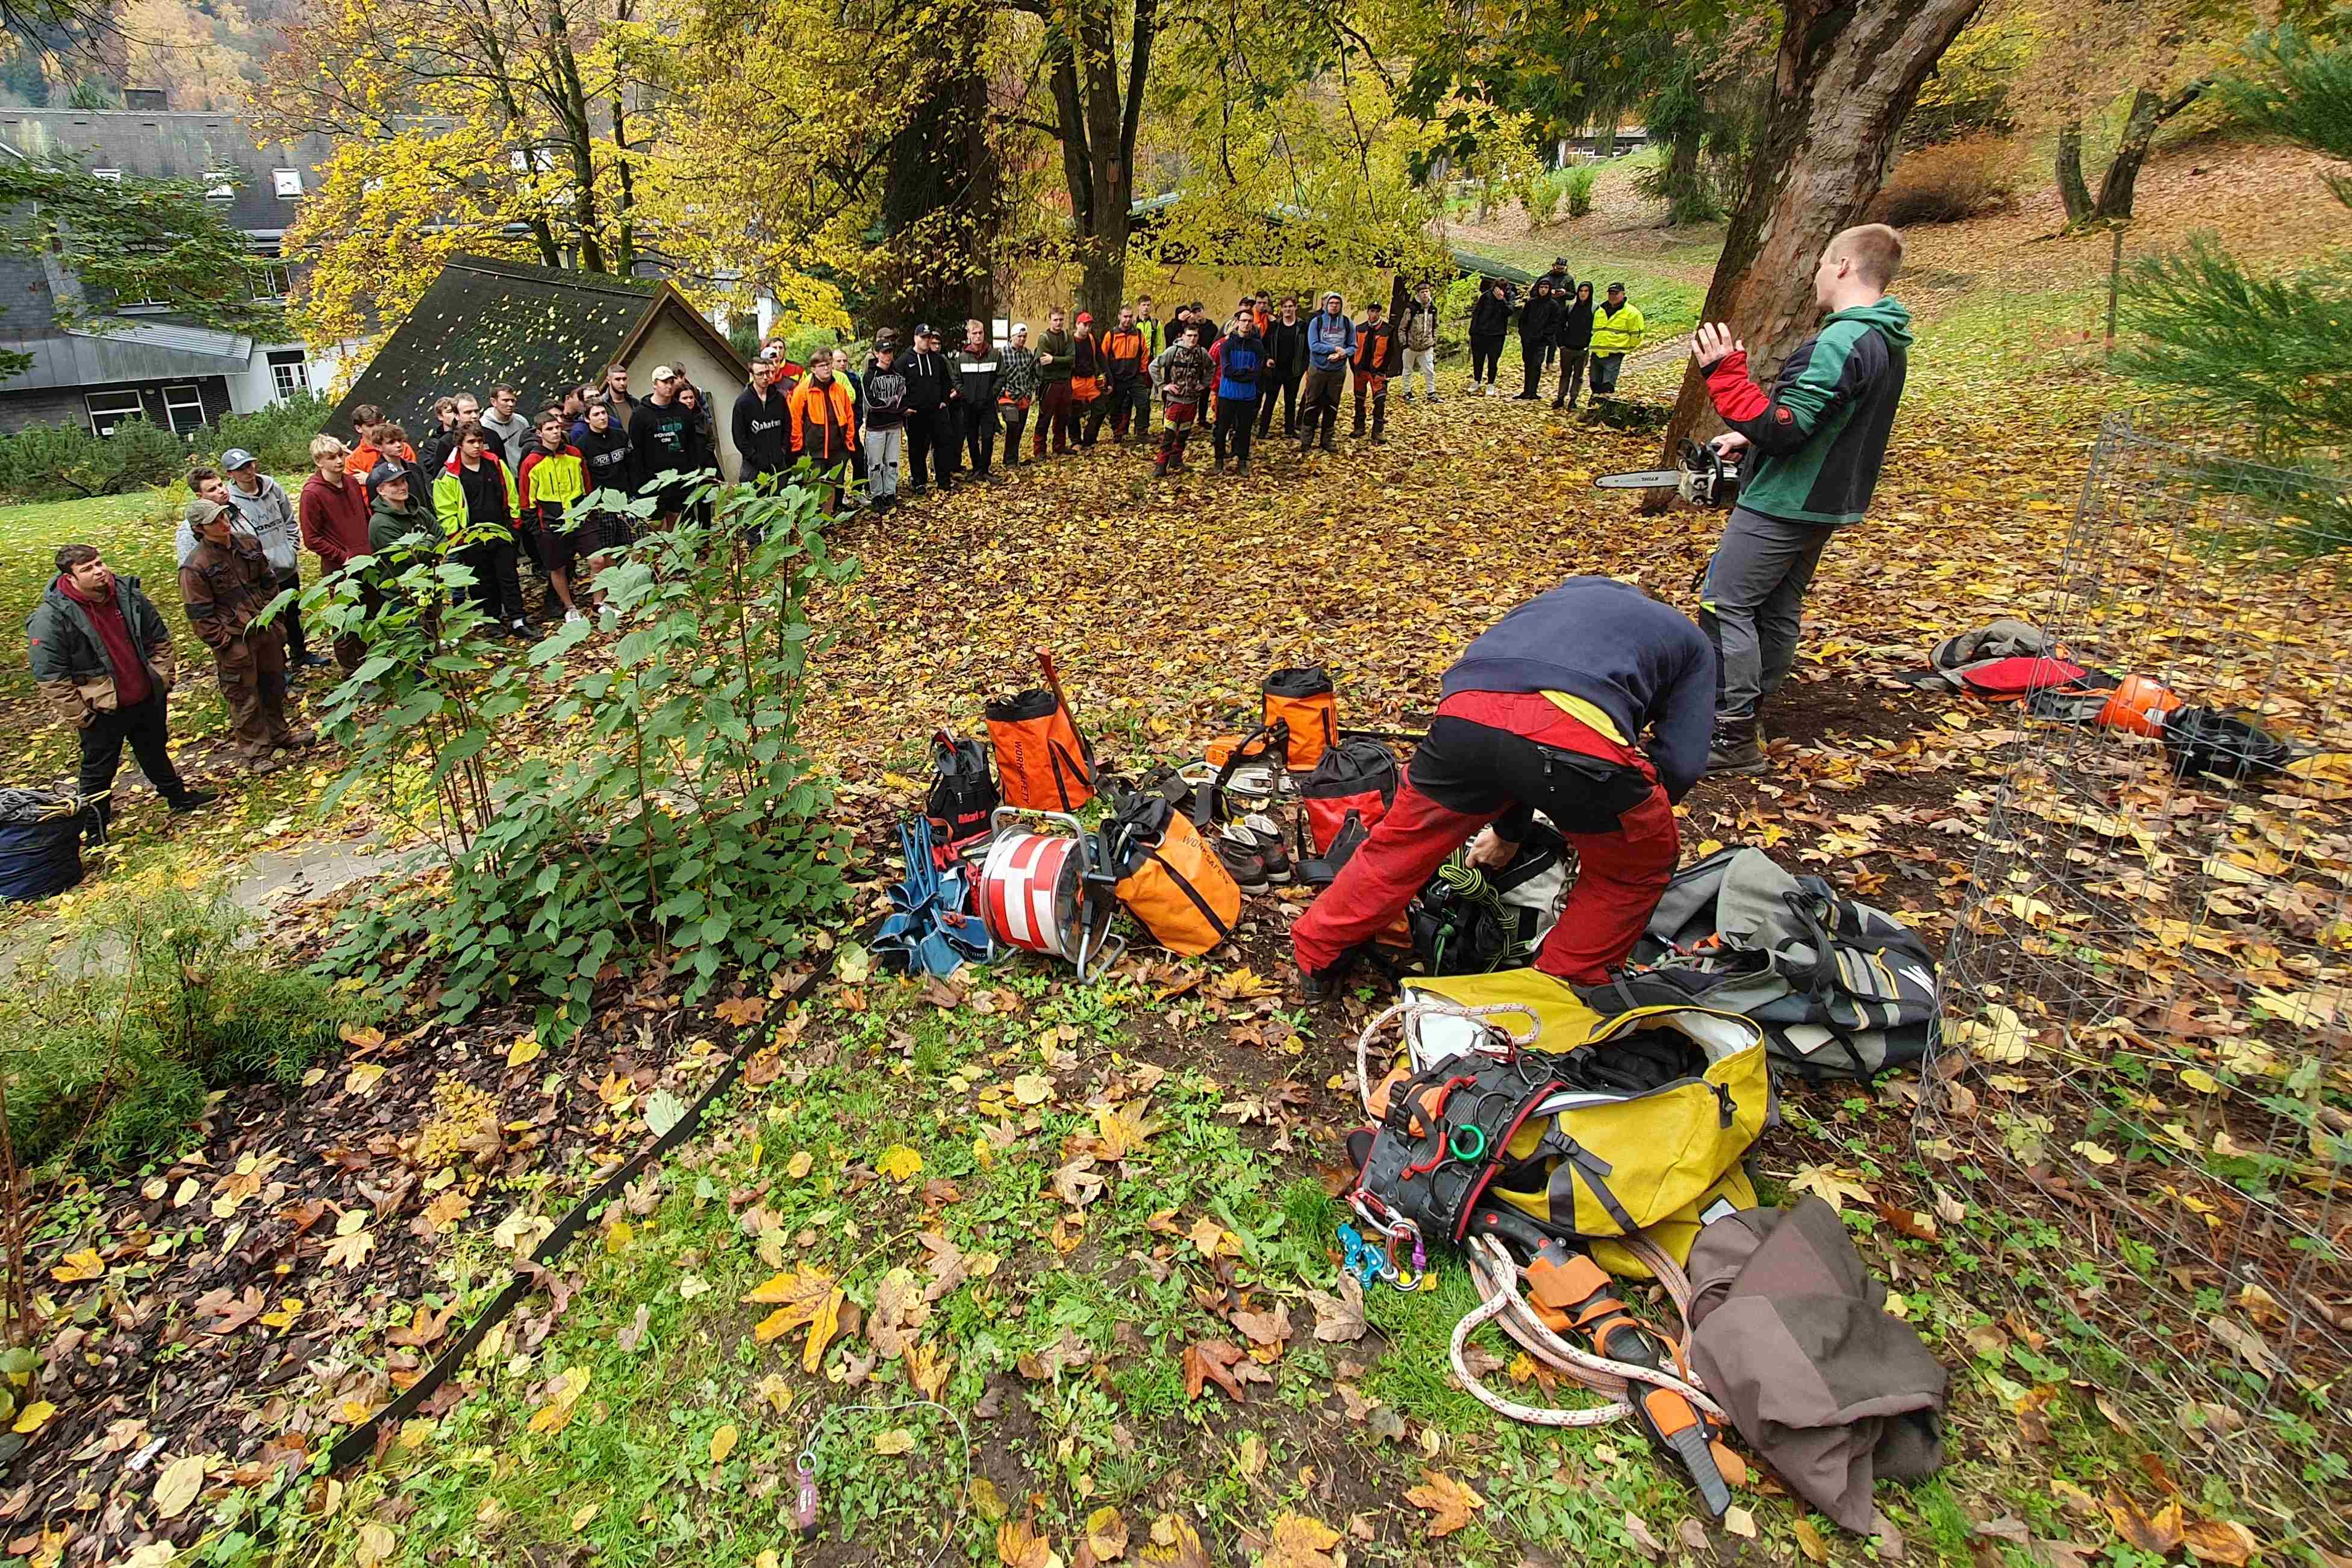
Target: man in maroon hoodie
102 655
333 509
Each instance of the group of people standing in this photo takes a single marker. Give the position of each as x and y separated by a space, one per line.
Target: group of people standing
1559 322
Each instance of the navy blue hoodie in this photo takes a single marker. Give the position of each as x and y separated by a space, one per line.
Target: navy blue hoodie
1645 665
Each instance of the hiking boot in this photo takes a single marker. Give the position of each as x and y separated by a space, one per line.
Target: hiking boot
1241 465
1327 444
1357 434
192 800
269 763
1258 830
1559 403
1242 860
1317 989
1737 748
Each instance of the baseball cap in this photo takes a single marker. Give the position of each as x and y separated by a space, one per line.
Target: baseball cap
236 457
665 373
1086 317
202 512
926 330
1559 261
1021 326
383 474
772 353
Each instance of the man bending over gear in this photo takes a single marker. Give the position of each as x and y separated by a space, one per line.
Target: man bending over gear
1819 438
1544 712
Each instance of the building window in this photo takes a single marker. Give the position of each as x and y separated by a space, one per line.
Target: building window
111 176
288 182
220 185
272 280
289 373
109 409
184 406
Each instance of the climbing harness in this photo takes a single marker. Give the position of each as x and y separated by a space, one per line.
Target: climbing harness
1467 1120
804 1505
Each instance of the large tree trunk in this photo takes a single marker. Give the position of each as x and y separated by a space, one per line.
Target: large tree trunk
1098 115
1847 75
2072 191
2148 113
942 202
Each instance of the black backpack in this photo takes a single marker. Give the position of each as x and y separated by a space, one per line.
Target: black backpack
1467 921
2201 740
963 791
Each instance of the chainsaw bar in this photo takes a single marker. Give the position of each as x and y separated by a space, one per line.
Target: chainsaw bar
1648 480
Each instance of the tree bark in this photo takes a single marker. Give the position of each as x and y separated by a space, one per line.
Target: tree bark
2148 113
2072 191
1846 76
569 98
943 200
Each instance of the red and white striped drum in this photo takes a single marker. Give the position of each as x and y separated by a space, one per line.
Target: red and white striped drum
1030 893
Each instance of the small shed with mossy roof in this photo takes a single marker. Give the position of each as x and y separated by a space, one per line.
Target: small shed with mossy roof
542 330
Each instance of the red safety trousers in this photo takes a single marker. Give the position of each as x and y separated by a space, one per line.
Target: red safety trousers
1619 875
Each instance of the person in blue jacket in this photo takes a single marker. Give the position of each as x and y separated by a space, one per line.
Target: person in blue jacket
1330 344
1241 360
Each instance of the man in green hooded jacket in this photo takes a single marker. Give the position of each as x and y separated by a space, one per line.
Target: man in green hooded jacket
1815 444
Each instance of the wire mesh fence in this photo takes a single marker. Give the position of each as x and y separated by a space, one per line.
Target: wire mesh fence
2143 1076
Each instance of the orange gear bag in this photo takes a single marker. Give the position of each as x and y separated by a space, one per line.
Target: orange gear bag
1043 764
1170 877
1303 699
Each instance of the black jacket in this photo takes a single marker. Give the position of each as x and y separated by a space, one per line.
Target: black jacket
927 380
1539 318
666 438
1285 348
611 460
886 397
1575 329
974 375
1490 317
763 431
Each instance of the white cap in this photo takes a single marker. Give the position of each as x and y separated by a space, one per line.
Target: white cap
664 372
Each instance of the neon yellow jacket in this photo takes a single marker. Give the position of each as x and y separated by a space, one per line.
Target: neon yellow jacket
450 500
1618 334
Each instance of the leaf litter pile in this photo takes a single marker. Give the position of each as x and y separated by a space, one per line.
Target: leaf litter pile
1095 1223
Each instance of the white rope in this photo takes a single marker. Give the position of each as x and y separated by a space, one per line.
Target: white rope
1497 1279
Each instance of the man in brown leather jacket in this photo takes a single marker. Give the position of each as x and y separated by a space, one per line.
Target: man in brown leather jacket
224 586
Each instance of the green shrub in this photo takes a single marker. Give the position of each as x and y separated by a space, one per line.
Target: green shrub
108 1054
1544 193
66 462
1580 189
279 435
691 833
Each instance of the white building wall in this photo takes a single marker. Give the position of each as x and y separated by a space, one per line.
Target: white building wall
670 344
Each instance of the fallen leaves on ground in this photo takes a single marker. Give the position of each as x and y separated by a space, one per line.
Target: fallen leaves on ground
1296 1540
1447 1501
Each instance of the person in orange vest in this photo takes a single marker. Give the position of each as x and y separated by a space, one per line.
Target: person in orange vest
824 427
1371 365
1128 355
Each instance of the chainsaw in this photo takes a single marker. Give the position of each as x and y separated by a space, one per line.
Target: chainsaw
1705 478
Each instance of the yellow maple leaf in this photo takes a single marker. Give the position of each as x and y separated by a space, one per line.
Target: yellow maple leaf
1294 1541
79 1265
722 1443
523 1051
900 1163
